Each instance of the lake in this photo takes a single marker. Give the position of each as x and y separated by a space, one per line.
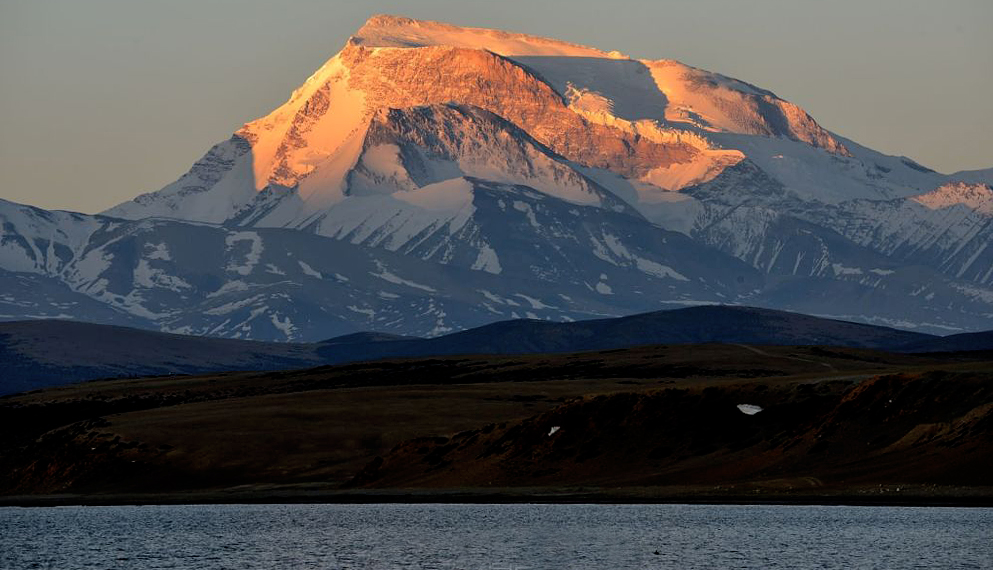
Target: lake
491 537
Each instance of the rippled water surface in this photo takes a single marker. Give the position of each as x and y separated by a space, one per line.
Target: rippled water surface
494 537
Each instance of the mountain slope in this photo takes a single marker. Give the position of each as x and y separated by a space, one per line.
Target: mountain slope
887 432
270 283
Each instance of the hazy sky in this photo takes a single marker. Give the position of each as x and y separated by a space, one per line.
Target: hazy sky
101 100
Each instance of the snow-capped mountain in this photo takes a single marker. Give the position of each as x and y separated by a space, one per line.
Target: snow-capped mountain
430 177
279 284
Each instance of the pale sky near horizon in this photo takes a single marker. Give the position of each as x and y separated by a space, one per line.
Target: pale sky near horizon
106 99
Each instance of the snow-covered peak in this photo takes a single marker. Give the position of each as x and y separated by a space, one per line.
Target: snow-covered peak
385 30
978 197
408 104
33 240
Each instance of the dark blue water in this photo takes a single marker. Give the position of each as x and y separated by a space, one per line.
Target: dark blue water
494 537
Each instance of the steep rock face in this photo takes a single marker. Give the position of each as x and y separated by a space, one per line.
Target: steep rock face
439 74
433 142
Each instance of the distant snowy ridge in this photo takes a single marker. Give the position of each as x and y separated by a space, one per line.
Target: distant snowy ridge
278 284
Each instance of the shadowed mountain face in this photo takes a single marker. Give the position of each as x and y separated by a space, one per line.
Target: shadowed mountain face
965 342
716 324
35 354
430 178
720 324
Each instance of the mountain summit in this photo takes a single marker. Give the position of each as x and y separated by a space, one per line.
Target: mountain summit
430 177
647 121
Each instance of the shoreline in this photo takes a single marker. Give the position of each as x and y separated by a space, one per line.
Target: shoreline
968 497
